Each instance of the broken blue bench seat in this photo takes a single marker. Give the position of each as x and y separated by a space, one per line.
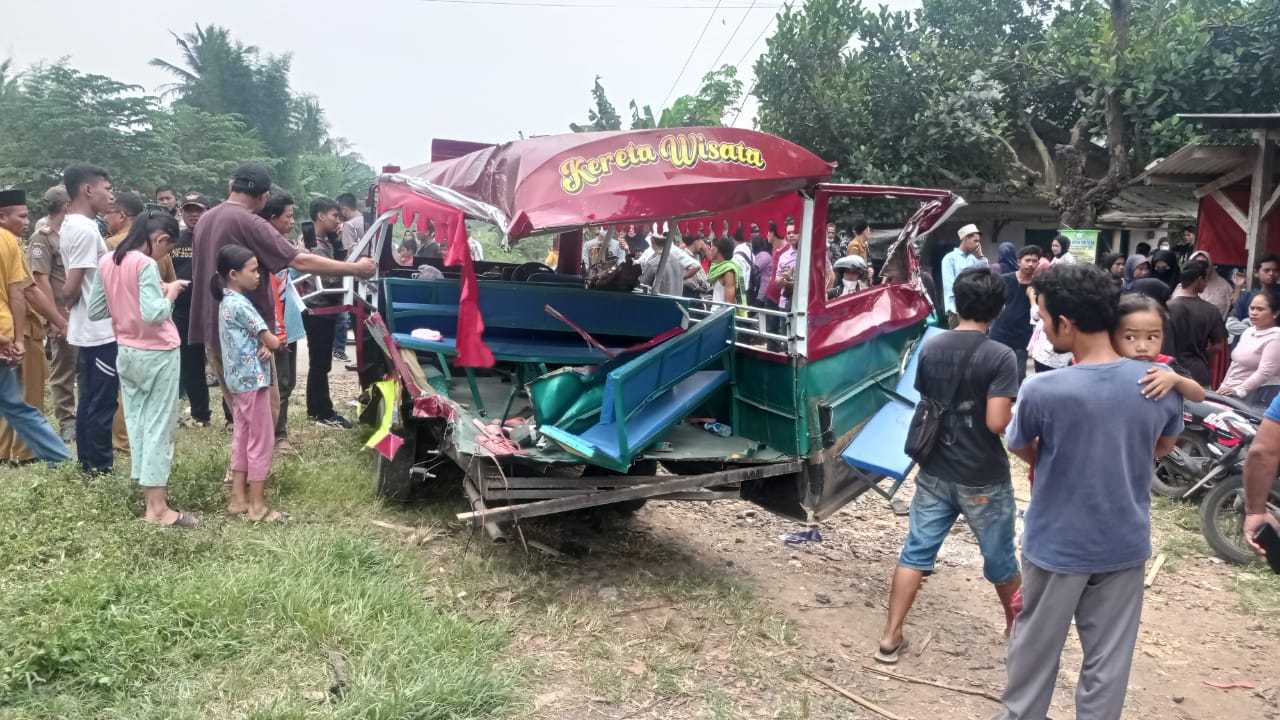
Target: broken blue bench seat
878 447
518 328
647 395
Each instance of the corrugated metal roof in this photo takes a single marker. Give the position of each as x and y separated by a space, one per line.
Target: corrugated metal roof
1234 121
1144 205
1200 161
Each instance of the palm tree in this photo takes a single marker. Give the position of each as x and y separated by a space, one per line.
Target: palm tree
212 63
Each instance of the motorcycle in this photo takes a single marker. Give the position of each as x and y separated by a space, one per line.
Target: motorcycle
1222 518
1200 457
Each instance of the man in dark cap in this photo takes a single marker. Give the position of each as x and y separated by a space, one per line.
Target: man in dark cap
236 222
24 420
193 358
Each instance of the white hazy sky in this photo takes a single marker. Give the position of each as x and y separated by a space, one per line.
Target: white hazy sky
393 74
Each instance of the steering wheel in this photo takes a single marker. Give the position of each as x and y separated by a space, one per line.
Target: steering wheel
524 270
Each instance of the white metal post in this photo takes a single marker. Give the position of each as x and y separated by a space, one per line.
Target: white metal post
800 291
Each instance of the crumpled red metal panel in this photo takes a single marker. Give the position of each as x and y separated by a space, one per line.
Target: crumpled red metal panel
853 319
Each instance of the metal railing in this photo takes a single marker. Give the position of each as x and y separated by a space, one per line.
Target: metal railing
745 329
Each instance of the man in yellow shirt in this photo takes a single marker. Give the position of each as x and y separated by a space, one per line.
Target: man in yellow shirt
25 421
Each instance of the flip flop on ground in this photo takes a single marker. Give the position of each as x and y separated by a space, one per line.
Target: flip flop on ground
891 656
273 517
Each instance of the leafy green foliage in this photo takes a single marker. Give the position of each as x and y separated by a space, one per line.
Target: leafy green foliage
61 116
202 149
219 74
718 93
602 116
947 94
230 105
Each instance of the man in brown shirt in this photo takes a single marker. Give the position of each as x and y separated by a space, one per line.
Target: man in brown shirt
236 222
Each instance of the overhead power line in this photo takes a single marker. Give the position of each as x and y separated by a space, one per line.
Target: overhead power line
692 50
755 42
586 5
746 96
733 35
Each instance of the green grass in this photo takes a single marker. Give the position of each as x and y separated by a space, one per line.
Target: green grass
108 617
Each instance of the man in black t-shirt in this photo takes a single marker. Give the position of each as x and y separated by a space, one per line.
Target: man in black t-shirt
1195 325
1013 326
968 471
192 362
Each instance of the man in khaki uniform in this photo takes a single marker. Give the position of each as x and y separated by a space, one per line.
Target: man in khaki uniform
45 263
32 303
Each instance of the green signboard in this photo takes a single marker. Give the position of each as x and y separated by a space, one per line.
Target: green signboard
1084 244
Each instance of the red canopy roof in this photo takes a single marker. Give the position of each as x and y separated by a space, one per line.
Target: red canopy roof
565 181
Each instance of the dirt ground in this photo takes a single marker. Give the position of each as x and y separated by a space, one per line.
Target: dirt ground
819 609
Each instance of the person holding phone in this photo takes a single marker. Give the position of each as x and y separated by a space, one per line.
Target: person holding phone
127 290
1260 468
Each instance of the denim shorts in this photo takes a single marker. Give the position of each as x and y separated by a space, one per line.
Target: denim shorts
989 511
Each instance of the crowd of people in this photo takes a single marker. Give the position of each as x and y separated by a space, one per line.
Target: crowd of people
138 301
1089 430
1212 322
1115 347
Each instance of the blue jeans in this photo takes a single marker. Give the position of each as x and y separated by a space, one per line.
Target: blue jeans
989 511
99 393
342 322
28 423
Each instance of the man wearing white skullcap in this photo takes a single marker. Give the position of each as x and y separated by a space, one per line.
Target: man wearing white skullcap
967 255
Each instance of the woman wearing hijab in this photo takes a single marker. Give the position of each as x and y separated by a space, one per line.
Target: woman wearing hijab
1061 250
1007 261
1164 267
1135 268
1218 291
1137 279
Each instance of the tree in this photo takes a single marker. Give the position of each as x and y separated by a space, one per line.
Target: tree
330 174
949 94
220 75
719 92
603 116
642 118
202 149
58 116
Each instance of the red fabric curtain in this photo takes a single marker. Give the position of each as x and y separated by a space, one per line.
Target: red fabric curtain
777 211
1222 238
450 225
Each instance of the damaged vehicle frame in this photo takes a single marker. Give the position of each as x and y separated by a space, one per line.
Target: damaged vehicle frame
589 393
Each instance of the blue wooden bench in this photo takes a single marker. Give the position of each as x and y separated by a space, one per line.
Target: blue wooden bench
517 327
646 396
878 447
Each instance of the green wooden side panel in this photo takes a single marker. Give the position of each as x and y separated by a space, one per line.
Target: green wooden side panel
769 394
847 383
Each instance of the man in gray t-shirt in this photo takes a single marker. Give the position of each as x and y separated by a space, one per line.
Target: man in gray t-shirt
1091 436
